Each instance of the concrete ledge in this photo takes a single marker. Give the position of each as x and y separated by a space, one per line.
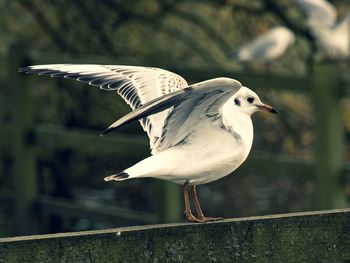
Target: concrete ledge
322 236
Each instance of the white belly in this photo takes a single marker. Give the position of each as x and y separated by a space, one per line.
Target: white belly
206 155
213 161
205 158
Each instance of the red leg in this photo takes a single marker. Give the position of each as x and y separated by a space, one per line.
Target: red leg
200 214
189 216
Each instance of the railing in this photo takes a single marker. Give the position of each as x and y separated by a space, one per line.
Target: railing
300 237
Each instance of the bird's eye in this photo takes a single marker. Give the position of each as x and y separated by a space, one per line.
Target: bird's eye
250 99
237 102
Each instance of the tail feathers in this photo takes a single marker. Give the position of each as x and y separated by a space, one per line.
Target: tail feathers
117 177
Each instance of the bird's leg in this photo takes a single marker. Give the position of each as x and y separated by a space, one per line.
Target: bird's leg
200 214
189 216
196 203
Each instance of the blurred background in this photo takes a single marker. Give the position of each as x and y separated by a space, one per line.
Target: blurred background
52 159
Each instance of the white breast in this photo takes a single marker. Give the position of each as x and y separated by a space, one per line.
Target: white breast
210 154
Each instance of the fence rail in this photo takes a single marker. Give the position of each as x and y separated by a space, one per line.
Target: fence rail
74 209
84 140
322 236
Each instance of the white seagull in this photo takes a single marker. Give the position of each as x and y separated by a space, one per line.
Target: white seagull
332 37
198 133
318 12
267 47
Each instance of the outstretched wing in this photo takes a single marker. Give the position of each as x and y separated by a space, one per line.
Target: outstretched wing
189 106
136 85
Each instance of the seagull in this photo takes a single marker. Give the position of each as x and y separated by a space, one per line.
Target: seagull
318 12
332 37
267 47
198 133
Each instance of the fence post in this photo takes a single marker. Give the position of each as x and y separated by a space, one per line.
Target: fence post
22 144
329 136
169 202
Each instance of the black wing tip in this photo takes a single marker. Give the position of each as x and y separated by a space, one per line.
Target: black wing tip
113 127
117 177
122 175
106 131
25 69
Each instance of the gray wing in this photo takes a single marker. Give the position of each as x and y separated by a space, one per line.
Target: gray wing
136 85
188 107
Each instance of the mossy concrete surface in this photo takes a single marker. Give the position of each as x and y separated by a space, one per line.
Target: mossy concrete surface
322 236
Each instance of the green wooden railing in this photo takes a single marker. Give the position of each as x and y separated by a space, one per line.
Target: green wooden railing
322 236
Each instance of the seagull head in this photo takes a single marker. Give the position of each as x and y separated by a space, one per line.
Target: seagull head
248 102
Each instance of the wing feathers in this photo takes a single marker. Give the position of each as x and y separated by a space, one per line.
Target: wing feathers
188 107
166 107
136 85
150 108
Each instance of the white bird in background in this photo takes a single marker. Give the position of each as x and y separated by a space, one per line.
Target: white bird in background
331 37
318 12
267 47
198 133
